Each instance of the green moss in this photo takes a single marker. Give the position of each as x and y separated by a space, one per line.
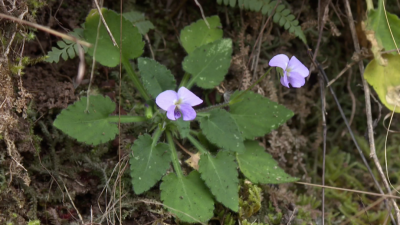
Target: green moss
35 5
275 218
249 200
245 222
34 222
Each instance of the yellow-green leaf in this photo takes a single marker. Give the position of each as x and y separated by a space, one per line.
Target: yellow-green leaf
385 80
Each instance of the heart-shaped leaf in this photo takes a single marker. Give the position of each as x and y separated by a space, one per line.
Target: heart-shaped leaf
106 53
220 128
198 33
385 80
187 197
256 115
149 163
208 64
156 78
221 176
92 127
259 166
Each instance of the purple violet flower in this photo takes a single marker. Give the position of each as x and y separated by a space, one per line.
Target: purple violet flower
294 72
178 104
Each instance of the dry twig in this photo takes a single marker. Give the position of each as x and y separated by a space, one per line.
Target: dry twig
105 23
202 13
350 190
46 29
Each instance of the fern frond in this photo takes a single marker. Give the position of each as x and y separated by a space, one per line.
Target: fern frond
66 49
282 16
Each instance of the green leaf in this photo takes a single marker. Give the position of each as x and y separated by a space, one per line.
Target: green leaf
256 115
156 78
221 176
106 53
187 197
209 63
385 80
377 23
149 163
220 128
139 21
91 128
259 166
183 127
198 34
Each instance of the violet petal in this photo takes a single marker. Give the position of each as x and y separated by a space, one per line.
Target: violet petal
188 97
188 112
167 98
171 112
280 60
284 80
296 80
296 66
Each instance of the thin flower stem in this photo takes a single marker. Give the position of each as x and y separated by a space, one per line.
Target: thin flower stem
134 78
126 119
233 101
184 80
174 155
202 114
190 83
193 132
197 144
323 111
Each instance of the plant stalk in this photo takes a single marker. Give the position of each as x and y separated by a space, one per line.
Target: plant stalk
233 101
156 136
197 144
184 80
174 156
135 79
190 83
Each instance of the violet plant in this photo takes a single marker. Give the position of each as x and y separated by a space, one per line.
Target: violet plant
292 71
233 126
178 104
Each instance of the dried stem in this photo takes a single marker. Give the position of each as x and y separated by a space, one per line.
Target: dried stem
262 31
46 29
105 23
323 111
73 204
350 190
202 13
348 66
321 21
